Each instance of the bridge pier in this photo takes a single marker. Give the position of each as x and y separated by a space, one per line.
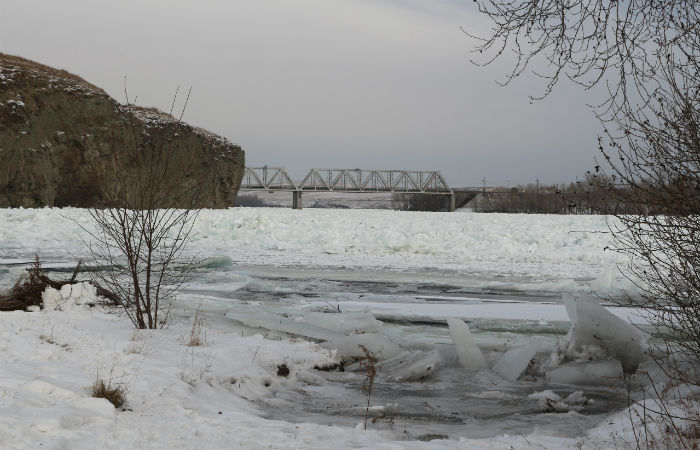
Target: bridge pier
296 200
450 205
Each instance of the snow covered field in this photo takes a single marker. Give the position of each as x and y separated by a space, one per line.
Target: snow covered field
270 272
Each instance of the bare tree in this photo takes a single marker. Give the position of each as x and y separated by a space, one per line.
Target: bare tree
147 214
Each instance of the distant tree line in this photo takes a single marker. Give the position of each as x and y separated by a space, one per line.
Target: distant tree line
589 196
595 194
417 202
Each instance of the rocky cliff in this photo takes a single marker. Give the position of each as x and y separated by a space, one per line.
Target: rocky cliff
65 142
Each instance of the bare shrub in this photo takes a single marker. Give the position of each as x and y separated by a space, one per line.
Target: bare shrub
149 215
667 416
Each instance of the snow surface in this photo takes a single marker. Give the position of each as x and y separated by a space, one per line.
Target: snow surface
179 397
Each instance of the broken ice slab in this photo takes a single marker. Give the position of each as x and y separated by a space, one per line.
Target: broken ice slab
323 326
349 346
346 322
594 328
591 373
516 360
259 317
468 353
410 365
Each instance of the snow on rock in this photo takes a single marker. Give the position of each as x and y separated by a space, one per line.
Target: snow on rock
410 365
548 401
516 360
468 353
596 333
603 373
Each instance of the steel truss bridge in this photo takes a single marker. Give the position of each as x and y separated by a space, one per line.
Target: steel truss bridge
347 180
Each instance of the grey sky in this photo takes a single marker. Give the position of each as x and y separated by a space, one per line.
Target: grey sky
320 83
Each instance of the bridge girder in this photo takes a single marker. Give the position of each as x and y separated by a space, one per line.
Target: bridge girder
346 180
267 179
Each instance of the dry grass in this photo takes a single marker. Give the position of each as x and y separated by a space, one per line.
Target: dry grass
48 339
115 394
197 336
195 365
369 365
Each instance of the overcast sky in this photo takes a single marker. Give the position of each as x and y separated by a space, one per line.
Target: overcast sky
383 84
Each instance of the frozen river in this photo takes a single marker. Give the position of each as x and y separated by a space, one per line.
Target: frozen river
502 274
413 308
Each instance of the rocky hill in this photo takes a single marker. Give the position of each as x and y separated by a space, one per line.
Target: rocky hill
65 142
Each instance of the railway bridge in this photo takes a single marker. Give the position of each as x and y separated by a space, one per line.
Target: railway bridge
347 180
272 179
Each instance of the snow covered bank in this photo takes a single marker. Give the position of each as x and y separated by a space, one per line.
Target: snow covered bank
553 253
178 396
